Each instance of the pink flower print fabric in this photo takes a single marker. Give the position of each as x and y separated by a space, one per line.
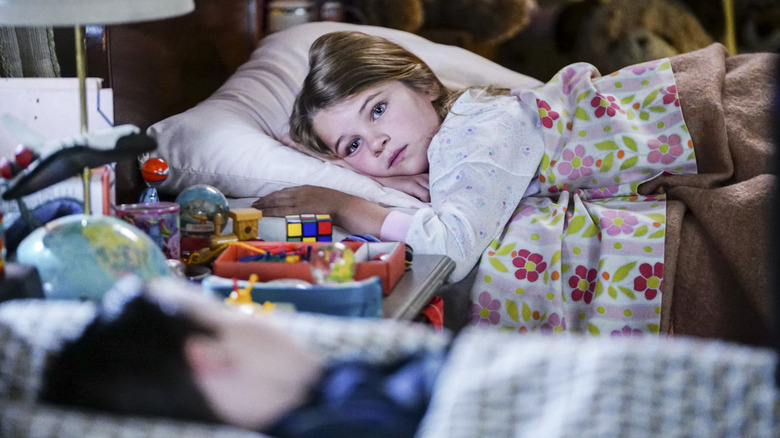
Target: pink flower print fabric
587 253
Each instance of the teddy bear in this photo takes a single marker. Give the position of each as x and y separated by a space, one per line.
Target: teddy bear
483 21
610 34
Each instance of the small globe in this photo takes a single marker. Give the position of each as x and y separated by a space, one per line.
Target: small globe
197 207
81 257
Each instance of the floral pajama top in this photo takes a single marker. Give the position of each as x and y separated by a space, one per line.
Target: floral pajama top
586 252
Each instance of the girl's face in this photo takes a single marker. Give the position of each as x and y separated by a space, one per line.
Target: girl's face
383 131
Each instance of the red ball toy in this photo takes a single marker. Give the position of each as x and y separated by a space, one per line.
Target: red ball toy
155 170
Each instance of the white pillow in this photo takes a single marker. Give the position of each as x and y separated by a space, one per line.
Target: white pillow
231 140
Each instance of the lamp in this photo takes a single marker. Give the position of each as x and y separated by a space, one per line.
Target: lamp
78 13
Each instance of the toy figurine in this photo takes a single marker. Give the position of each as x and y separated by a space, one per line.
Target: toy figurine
243 298
333 263
154 171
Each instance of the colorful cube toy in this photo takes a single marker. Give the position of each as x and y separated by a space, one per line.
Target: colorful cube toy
309 228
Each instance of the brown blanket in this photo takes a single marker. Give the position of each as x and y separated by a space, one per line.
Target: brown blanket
717 269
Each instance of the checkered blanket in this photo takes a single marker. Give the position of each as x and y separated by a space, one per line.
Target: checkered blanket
504 385
493 385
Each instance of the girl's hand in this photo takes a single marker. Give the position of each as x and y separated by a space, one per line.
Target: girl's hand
355 214
415 185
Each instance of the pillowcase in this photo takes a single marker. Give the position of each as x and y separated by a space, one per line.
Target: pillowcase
231 140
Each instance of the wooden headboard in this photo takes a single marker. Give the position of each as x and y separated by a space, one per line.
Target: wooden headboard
161 68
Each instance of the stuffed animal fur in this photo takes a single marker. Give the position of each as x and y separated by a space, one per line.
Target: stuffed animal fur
609 34
487 21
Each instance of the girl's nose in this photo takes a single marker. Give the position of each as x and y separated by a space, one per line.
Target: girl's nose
377 144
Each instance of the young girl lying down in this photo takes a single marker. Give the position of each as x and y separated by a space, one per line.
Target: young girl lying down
164 349
478 152
485 154
630 231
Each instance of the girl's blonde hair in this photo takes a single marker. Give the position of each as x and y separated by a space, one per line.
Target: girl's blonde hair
345 63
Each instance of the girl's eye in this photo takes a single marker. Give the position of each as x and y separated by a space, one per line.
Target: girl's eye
378 110
352 147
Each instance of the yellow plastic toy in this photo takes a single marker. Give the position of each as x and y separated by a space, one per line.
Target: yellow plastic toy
243 298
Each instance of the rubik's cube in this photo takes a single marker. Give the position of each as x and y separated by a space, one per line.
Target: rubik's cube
309 228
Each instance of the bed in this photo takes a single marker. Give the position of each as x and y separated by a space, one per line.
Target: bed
231 140
218 110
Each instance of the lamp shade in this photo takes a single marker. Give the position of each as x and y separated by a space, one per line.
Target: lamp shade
84 12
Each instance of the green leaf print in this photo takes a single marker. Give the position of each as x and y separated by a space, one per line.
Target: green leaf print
526 312
560 126
575 225
545 162
612 292
493 244
629 293
629 163
497 265
657 217
511 309
650 98
598 289
606 165
555 257
583 95
591 231
641 231
623 272
506 249
627 99
581 114
657 109
607 146
556 219
593 330
630 143
665 66
654 328
657 234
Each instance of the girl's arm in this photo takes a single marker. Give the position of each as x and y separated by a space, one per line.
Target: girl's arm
354 214
415 185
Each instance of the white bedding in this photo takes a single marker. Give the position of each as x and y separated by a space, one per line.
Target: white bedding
231 140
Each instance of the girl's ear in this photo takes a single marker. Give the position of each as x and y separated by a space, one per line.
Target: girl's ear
206 356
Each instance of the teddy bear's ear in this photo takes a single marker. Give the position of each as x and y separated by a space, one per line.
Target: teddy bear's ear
406 15
569 23
485 22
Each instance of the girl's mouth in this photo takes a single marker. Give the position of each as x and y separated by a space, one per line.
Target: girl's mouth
396 157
